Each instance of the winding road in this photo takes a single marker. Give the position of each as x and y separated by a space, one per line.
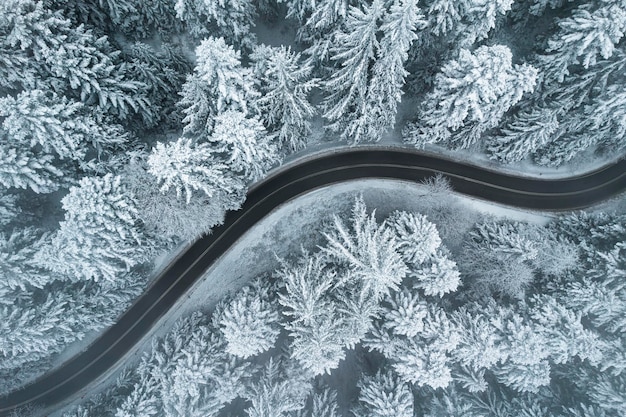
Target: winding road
292 181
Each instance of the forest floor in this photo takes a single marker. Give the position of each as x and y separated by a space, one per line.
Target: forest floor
281 235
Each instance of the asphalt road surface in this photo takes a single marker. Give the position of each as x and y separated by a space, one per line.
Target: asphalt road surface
551 194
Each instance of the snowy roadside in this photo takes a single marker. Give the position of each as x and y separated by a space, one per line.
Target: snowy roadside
291 226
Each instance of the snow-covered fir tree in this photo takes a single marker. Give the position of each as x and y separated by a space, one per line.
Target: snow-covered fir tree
471 94
230 19
591 31
188 167
243 144
285 82
354 49
250 322
100 237
383 395
368 249
218 83
281 390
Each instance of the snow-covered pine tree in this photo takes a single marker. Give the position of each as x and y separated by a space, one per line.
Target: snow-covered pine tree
354 49
166 217
100 237
21 168
53 54
218 83
465 22
319 26
403 313
163 72
418 238
185 166
243 144
383 395
281 390
592 30
250 322
398 28
285 82
437 277
56 124
421 359
529 131
317 329
471 95
371 252
230 19
17 251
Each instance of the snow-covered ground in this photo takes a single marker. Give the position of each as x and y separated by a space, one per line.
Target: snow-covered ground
293 225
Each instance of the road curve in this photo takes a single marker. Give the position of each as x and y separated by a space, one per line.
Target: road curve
354 163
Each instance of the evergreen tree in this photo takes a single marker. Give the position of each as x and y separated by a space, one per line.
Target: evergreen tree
230 19
250 322
17 251
398 27
383 395
314 322
284 83
243 143
21 168
465 21
189 167
218 83
471 95
166 217
354 49
418 238
279 392
100 237
438 277
369 250
404 313
56 124
589 32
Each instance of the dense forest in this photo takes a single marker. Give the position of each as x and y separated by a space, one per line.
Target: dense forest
535 328
128 127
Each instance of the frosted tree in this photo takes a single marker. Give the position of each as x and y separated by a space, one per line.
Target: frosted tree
590 32
185 166
100 237
56 124
166 217
471 95
250 322
383 395
314 322
243 144
321 20
421 359
285 83
21 168
369 250
280 390
231 19
398 28
528 132
9 208
437 277
163 72
218 83
418 238
404 313
17 251
354 51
